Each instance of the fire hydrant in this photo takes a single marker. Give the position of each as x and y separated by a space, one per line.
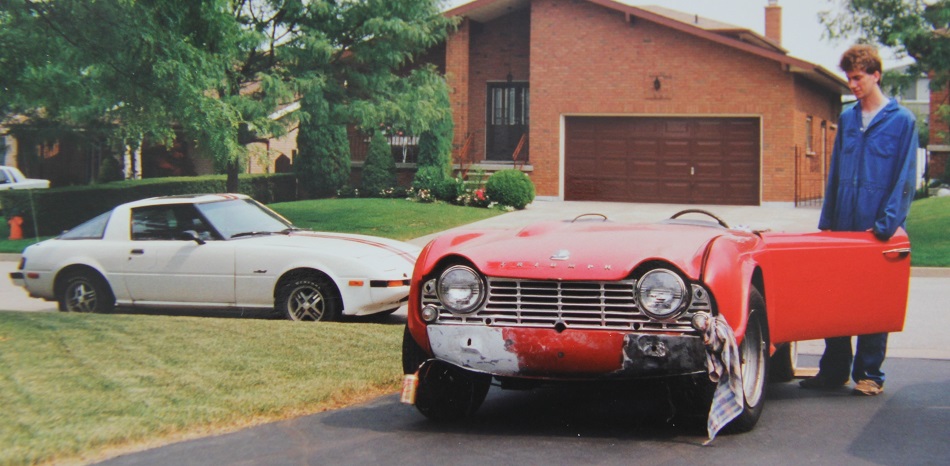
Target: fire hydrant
16 230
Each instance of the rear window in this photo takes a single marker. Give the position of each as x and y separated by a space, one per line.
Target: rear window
92 229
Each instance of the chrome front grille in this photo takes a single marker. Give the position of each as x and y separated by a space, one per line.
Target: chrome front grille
566 305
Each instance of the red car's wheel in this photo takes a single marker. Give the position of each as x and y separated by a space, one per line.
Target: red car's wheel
448 393
754 354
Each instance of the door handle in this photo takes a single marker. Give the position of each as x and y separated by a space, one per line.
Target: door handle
137 252
899 252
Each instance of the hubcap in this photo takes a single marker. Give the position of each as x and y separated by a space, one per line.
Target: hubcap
306 303
753 363
81 298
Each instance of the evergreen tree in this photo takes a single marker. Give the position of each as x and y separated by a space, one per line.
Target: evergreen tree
323 152
435 150
379 171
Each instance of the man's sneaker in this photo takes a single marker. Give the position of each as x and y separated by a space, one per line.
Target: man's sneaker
868 387
820 382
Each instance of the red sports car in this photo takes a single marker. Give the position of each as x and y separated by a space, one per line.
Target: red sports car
591 299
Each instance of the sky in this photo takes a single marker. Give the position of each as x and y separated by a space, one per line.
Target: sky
802 33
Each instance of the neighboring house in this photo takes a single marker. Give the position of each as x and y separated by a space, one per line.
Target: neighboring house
916 97
614 102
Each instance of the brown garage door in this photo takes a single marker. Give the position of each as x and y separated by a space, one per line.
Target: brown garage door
662 160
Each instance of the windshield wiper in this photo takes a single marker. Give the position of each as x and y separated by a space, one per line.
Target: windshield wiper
287 231
251 233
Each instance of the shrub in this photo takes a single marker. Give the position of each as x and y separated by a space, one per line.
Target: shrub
109 171
379 171
323 159
435 151
511 188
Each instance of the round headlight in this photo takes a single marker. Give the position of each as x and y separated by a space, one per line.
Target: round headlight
460 289
661 293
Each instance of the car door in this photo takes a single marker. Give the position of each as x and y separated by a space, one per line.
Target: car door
165 268
830 284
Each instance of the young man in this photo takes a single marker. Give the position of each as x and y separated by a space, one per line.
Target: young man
871 184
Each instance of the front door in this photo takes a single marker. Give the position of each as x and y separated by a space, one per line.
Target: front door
508 108
831 284
165 268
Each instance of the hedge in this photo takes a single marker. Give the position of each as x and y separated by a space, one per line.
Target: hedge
59 209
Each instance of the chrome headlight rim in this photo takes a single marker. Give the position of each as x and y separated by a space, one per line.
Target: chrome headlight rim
678 299
457 298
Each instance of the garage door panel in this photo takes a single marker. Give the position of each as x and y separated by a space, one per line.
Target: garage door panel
671 160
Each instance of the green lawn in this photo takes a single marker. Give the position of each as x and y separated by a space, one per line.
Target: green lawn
77 387
928 226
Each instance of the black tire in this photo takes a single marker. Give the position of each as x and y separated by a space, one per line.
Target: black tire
754 354
86 292
449 393
309 299
783 363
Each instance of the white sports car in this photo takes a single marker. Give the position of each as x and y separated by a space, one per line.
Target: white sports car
215 251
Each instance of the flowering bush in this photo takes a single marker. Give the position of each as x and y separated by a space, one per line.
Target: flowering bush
420 195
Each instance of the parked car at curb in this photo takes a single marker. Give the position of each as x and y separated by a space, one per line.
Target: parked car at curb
216 251
13 178
593 300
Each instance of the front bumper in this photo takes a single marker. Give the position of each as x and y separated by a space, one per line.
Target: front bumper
568 354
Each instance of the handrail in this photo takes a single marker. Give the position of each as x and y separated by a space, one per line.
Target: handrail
517 152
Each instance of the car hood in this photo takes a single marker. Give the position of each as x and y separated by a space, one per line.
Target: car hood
583 250
340 244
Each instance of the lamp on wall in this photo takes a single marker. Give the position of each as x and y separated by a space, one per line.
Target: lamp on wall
656 84
509 77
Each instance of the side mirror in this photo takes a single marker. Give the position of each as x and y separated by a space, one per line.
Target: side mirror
192 235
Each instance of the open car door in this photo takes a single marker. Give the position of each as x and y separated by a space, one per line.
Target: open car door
828 284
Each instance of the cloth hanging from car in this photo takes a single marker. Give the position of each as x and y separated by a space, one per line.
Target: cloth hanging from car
723 364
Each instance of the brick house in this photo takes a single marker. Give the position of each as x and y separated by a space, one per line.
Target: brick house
602 100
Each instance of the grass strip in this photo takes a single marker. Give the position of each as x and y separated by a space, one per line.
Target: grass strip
76 385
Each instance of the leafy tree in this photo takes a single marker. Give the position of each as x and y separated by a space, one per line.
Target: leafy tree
357 55
216 70
915 28
379 171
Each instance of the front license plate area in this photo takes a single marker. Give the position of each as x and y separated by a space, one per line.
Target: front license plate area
663 354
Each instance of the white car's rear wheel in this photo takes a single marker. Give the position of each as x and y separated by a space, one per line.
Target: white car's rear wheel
309 299
86 292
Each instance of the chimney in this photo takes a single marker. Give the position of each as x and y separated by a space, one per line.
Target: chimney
773 22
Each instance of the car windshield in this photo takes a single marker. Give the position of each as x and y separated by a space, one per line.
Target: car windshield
91 229
243 217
